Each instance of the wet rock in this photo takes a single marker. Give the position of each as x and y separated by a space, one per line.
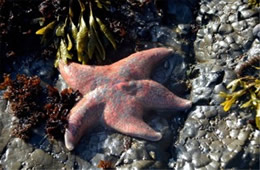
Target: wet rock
200 160
239 26
234 46
173 68
255 49
215 27
225 29
184 29
142 164
223 44
226 133
16 150
165 36
210 111
256 31
210 138
180 10
40 159
233 133
114 144
229 76
5 123
233 18
92 144
102 157
243 135
215 156
61 84
203 9
191 128
136 153
248 13
78 163
229 39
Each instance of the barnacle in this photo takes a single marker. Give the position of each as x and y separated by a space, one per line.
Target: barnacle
248 86
84 39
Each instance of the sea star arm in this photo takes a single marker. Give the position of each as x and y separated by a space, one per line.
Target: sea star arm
140 64
83 77
86 78
153 95
83 117
128 120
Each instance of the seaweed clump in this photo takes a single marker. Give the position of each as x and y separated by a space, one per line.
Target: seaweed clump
57 108
23 95
254 3
80 34
105 164
33 107
245 89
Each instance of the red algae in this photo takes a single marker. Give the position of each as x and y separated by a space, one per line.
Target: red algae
33 107
57 109
105 164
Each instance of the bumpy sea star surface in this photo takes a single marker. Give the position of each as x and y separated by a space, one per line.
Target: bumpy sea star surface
118 95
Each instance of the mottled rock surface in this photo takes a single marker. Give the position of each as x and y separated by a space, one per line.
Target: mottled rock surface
212 138
205 137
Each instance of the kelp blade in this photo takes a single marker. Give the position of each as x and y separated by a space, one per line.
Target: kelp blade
46 29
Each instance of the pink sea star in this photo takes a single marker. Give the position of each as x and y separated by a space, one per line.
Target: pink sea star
118 95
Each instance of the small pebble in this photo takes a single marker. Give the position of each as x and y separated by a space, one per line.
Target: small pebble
256 31
199 159
248 13
239 26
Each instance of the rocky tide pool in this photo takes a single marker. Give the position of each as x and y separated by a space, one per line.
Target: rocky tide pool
212 40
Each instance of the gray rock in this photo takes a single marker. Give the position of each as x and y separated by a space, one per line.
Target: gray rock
200 160
248 13
243 7
229 39
180 10
134 154
215 156
256 31
18 151
114 144
243 135
5 123
252 21
184 28
234 46
233 18
223 44
239 26
215 27
234 133
42 160
102 157
164 35
142 164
